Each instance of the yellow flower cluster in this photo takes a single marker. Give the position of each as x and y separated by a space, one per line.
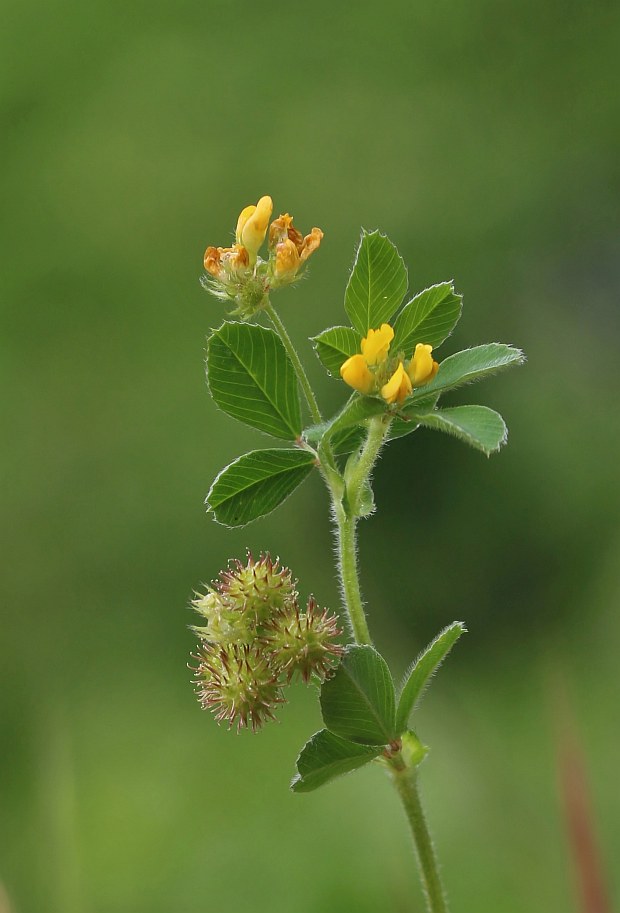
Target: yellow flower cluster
371 371
288 248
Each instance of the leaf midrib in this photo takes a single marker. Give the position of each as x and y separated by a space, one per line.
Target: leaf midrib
266 478
370 705
263 390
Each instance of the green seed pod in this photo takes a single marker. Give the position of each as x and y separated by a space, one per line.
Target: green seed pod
257 589
303 642
237 684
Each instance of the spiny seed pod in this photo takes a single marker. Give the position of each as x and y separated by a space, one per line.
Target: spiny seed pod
256 589
237 684
225 624
303 642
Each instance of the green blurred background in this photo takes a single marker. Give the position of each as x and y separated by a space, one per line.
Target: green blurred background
484 139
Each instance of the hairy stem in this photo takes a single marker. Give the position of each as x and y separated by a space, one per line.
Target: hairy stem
302 377
349 575
406 782
346 514
358 472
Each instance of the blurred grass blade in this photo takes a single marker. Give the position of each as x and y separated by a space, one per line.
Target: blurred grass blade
358 702
423 669
377 284
594 894
326 756
256 483
430 317
251 378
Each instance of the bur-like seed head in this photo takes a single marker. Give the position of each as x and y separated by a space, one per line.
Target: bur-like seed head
256 589
225 624
303 642
236 684
254 639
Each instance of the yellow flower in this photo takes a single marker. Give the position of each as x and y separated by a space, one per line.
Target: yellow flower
287 259
292 248
355 373
422 368
252 226
398 386
310 244
376 344
282 229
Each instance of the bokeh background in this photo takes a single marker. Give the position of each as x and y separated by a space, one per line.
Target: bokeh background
484 139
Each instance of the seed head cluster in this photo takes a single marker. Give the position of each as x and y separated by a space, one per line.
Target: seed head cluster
255 639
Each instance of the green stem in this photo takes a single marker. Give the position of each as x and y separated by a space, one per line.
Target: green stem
405 780
349 575
302 377
346 515
358 473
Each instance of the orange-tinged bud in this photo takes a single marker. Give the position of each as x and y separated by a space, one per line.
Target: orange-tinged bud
355 373
212 261
311 242
287 259
254 228
376 345
398 386
422 368
220 261
282 229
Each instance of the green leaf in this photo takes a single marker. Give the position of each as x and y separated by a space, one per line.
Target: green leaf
406 421
326 756
469 365
251 378
335 345
256 483
357 410
377 284
422 670
358 702
478 426
430 317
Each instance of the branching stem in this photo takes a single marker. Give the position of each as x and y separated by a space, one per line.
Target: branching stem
347 497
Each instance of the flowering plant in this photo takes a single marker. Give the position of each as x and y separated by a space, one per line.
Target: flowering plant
255 637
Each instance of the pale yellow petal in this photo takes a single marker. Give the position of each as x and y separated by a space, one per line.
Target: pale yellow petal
254 229
244 215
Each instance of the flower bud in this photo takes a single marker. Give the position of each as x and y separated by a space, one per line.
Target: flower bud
252 226
311 243
287 260
422 368
355 373
398 386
